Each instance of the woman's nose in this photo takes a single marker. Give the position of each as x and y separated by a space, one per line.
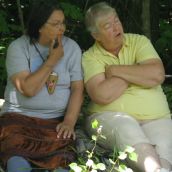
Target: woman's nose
61 30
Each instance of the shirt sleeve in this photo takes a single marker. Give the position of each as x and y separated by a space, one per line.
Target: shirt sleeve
145 50
91 66
16 60
75 69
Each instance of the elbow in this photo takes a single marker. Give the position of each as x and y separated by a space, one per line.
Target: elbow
104 102
157 81
25 90
160 78
28 93
101 100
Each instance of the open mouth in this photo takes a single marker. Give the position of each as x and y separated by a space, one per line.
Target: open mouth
118 34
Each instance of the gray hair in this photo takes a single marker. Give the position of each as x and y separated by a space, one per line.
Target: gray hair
94 13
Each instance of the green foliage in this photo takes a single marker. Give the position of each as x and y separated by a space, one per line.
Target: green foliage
164 44
1 170
165 40
168 92
3 24
3 48
95 124
3 75
72 11
93 164
2 69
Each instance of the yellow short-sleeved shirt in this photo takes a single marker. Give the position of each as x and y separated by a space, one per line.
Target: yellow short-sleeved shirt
141 103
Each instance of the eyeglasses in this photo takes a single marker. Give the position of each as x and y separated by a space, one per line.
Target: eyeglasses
57 24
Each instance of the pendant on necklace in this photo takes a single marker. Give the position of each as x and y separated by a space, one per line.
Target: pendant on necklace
51 82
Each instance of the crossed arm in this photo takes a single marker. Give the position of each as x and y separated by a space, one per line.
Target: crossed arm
107 87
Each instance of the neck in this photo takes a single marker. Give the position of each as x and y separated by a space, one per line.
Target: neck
44 42
115 51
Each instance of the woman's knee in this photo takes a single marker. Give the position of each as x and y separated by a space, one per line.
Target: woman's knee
17 164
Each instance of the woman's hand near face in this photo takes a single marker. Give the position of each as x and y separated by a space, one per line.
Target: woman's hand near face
57 53
65 130
29 84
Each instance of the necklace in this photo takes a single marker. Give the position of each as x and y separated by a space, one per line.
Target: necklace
53 77
37 50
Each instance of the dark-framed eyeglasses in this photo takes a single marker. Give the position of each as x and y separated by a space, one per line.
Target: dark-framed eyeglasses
57 24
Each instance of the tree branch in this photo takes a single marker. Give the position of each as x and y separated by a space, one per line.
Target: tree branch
20 13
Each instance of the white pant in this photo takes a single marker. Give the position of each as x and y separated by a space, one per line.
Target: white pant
121 130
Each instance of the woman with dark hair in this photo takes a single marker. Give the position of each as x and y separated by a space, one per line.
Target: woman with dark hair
43 95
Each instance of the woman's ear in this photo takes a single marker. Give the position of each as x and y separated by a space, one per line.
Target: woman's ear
40 30
96 36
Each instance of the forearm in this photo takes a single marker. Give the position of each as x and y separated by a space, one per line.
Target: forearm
146 75
29 84
108 90
74 106
35 81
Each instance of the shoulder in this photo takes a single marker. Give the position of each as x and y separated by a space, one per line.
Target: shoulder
92 60
91 52
20 42
70 43
130 38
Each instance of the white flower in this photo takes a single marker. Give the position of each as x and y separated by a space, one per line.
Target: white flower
89 163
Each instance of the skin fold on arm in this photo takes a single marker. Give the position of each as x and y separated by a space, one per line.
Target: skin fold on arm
104 90
148 73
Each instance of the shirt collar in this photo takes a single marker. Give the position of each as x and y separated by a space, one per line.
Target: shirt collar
105 52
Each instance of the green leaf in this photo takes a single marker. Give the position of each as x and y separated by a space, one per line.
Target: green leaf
93 170
122 155
129 149
94 124
103 137
122 168
72 11
129 170
94 166
1 47
75 167
133 156
101 166
3 23
111 161
94 137
81 160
